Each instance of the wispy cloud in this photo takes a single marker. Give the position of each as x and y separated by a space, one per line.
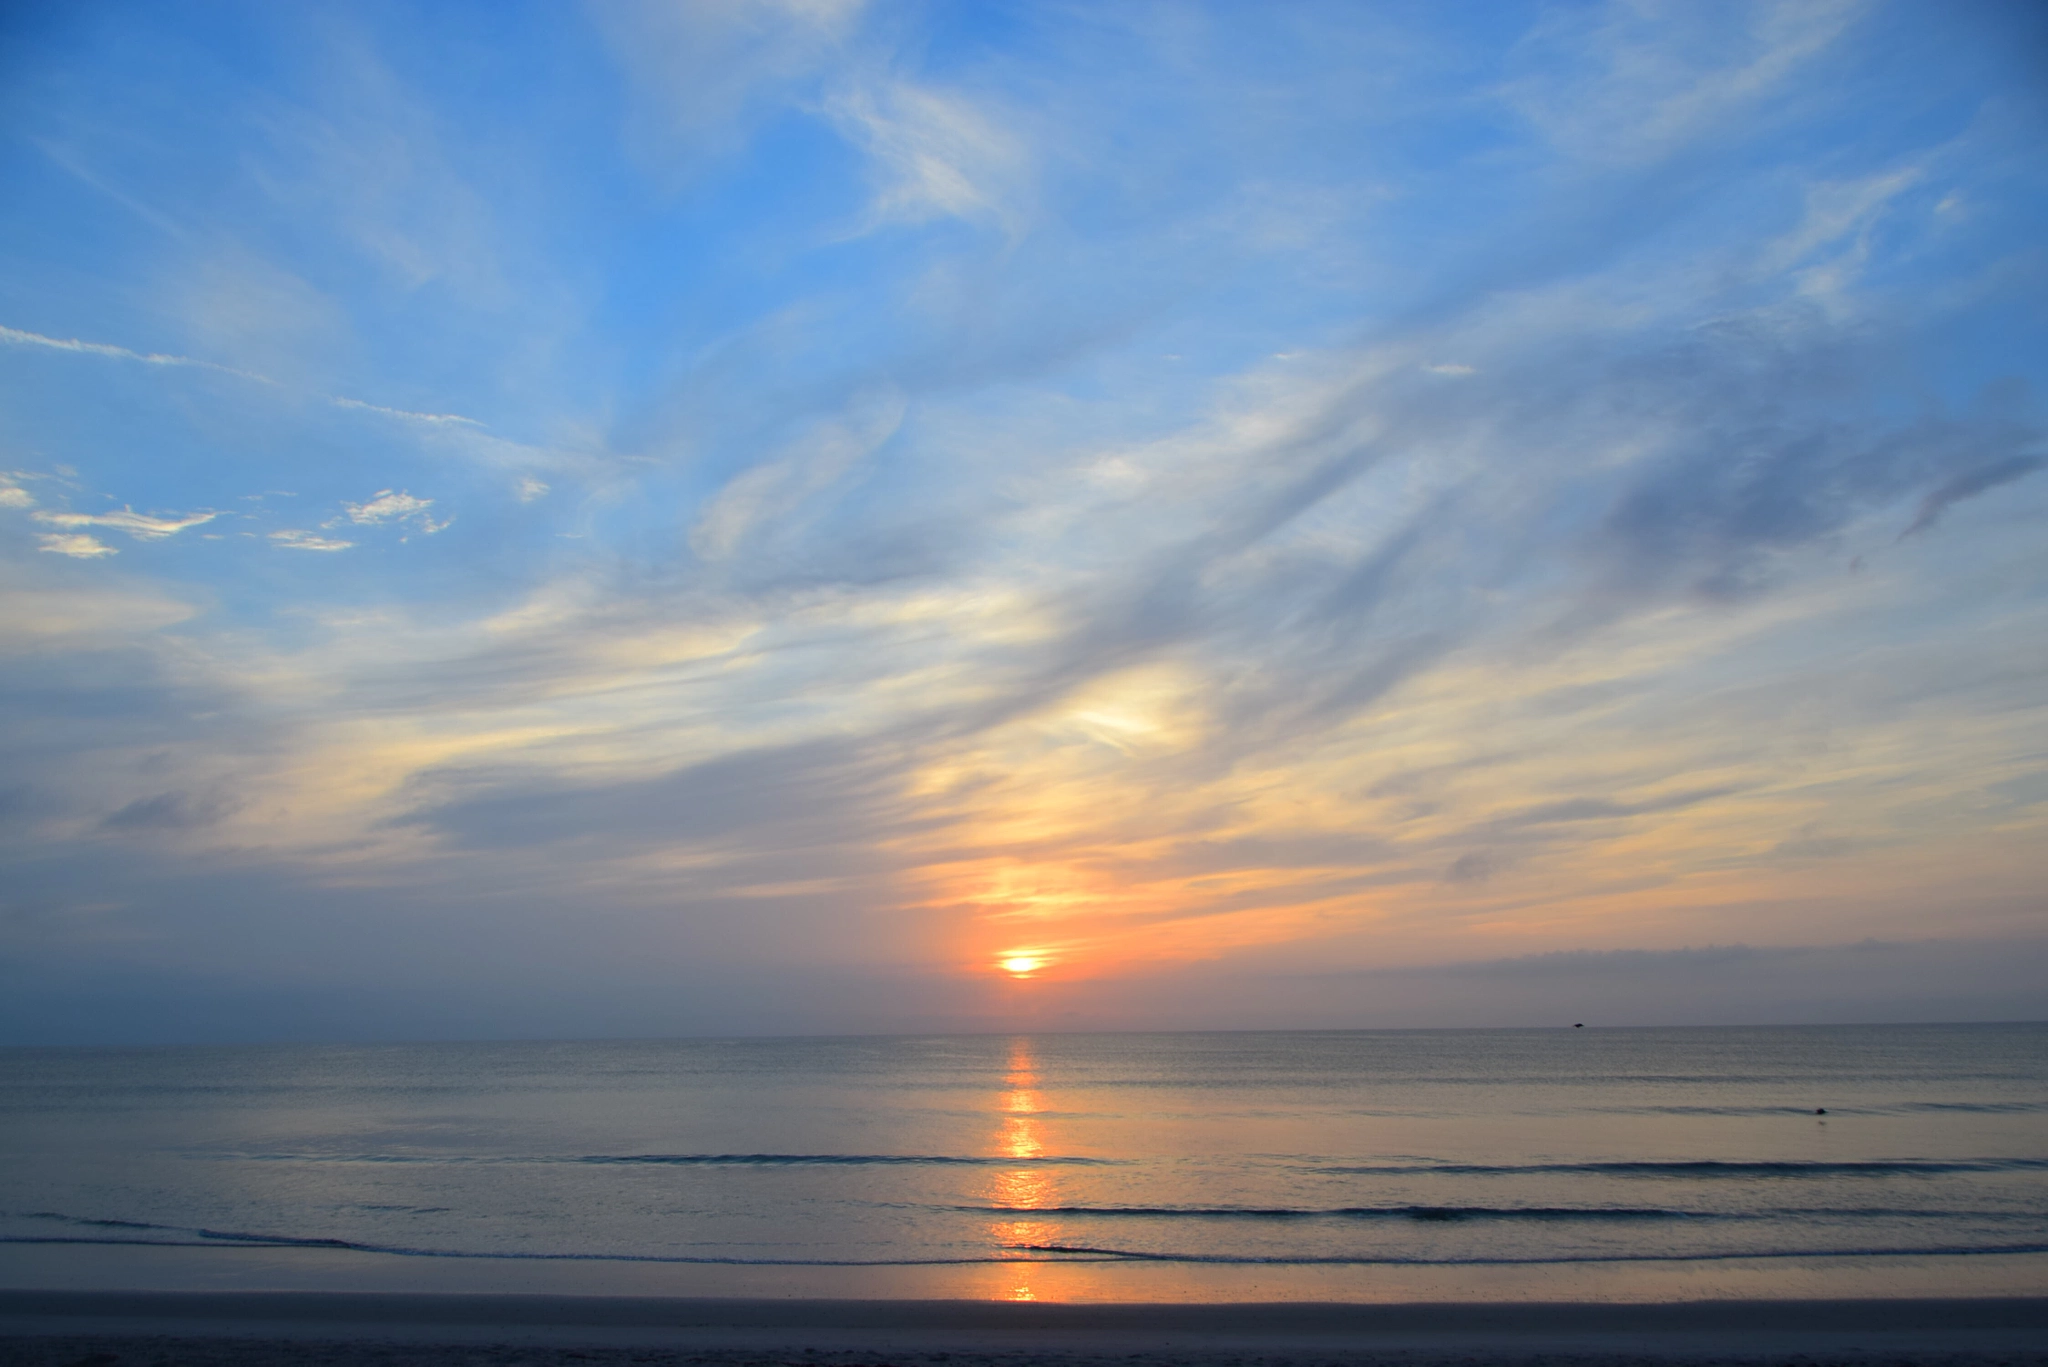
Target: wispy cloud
394 506
297 540
705 69
405 413
20 338
74 544
1969 484
17 337
142 526
936 154
1632 81
777 487
174 811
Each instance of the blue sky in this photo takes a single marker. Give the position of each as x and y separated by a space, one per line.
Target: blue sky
637 518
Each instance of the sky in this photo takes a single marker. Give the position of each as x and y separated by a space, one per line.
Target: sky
662 517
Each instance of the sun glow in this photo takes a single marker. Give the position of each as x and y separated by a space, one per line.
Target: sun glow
1021 965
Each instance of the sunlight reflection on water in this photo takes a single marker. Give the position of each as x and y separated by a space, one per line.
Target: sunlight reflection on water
1022 1135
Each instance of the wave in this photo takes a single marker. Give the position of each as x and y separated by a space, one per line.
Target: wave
1898 1108
1425 1214
219 1239
1902 1167
1538 1214
698 1159
200 1237
211 1238
1974 1107
1092 1252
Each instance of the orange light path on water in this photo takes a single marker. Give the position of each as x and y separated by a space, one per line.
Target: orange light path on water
1025 1190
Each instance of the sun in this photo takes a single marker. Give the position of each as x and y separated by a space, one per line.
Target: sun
1021 965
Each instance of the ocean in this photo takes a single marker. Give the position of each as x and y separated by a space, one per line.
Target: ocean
1367 1165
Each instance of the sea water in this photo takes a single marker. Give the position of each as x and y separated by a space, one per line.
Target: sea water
1331 1165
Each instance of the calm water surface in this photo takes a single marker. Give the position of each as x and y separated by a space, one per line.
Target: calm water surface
1332 1165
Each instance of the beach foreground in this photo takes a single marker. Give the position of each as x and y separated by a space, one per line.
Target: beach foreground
240 1329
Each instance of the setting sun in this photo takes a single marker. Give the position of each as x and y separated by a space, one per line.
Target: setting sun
1022 965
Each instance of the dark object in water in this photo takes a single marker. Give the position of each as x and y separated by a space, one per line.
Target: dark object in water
1578 1025
1820 1110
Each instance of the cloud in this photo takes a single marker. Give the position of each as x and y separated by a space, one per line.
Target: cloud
706 69
20 338
90 619
528 489
810 793
175 811
296 540
392 181
243 303
406 414
1837 209
1341 571
1475 866
709 72
386 506
776 488
390 506
1749 479
66 158
938 155
77 545
1630 82
1607 809
12 495
1969 484
141 526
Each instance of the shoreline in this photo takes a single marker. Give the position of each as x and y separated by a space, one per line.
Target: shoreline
245 1328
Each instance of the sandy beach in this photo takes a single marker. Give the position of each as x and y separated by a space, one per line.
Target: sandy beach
245 1328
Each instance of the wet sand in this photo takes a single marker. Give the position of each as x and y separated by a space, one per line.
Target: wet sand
332 1329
